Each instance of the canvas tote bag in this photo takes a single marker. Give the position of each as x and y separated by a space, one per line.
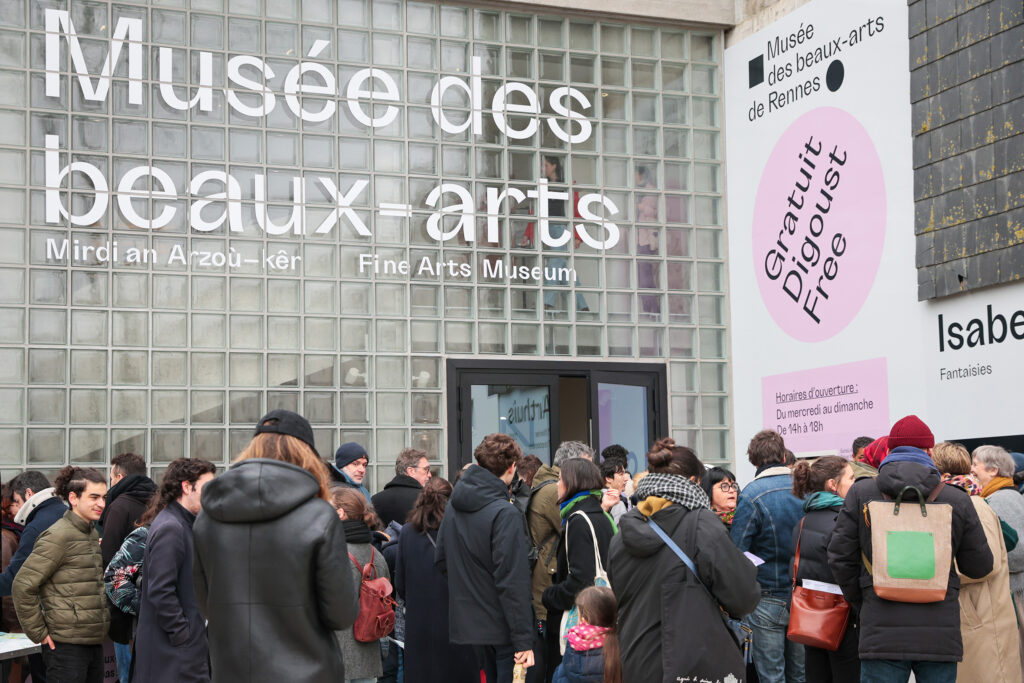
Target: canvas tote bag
910 547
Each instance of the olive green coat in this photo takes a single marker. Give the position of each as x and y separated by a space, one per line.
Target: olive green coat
545 526
59 590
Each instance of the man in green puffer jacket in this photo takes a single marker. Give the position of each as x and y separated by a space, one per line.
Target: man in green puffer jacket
59 592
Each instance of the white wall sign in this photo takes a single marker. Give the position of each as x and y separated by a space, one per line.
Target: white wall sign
829 341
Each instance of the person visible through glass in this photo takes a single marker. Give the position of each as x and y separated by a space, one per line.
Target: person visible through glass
823 485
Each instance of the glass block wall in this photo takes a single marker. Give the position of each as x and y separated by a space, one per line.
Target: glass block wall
169 357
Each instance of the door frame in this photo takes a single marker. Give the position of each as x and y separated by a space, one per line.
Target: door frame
456 369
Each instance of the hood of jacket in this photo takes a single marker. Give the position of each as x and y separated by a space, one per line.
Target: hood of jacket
476 489
258 490
894 476
546 473
33 503
639 538
137 486
403 481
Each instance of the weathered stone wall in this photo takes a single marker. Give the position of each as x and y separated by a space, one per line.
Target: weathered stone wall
967 92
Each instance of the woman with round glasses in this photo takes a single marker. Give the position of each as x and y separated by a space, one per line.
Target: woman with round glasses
723 491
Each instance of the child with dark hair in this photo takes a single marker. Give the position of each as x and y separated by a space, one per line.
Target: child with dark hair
592 651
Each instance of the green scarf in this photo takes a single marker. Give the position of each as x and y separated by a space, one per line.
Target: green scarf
566 508
820 500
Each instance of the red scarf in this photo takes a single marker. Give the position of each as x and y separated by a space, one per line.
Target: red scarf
584 637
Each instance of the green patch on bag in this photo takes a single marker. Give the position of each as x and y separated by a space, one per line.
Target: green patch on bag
911 554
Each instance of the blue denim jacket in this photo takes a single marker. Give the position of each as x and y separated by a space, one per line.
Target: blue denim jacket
766 513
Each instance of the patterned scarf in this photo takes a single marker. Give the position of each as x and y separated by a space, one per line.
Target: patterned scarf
583 637
726 516
965 481
674 487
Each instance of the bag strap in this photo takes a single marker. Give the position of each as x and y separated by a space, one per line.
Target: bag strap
675 548
796 558
598 566
363 568
431 539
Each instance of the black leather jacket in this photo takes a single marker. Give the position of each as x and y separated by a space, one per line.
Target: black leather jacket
272 576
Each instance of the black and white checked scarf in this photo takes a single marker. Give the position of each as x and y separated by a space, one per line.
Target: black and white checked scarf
673 487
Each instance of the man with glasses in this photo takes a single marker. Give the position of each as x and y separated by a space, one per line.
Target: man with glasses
412 472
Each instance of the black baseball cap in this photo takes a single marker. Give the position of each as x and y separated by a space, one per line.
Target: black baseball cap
289 423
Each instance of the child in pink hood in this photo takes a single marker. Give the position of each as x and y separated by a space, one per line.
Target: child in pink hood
592 650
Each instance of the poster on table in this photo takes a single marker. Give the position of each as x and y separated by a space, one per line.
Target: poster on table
829 341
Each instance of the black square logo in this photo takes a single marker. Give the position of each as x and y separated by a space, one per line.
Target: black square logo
756 70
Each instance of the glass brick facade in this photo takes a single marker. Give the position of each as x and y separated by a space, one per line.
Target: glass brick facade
100 354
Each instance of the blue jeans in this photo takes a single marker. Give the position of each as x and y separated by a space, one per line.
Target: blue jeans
898 671
123 653
776 659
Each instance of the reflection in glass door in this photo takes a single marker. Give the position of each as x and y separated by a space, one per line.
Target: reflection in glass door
622 418
520 411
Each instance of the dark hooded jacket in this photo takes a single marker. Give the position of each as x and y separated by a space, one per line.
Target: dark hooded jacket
170 644
126 501
272 576
903 630
643 571
482 547
396 500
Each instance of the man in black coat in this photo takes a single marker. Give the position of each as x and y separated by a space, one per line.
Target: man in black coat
129 493
899 637
412 472
171 646
482 547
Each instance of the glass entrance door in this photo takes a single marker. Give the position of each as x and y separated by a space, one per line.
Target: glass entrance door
541 404
624 414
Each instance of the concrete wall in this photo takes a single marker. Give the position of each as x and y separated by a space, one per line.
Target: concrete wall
719 13
754 15
967 90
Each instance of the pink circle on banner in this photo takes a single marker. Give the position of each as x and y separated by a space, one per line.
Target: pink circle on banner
819 224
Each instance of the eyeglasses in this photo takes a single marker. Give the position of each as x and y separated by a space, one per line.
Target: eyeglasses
725 487
425 468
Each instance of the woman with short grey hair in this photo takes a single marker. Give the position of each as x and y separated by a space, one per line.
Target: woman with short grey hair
994 468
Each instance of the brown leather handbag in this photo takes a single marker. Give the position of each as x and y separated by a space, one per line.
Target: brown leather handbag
816 618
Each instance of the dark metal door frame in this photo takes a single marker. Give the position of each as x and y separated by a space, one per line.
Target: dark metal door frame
458 371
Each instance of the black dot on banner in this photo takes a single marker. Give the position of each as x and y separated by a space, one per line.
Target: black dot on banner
834 75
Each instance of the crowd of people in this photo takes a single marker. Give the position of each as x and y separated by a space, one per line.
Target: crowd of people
286 568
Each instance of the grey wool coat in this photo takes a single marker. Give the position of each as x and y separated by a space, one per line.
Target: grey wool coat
1009 505
362 660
